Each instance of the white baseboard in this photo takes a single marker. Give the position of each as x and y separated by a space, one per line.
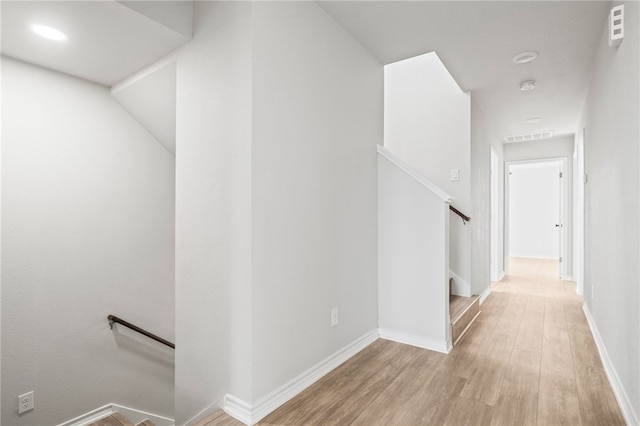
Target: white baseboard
534 256
135 416
630 416
251 414
239 409
90 417
485 294
420 342
211 408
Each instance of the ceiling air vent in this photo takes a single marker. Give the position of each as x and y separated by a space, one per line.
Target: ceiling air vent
616 25
529 136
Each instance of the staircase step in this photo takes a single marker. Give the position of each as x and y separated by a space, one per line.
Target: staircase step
146 423
464 318
115 419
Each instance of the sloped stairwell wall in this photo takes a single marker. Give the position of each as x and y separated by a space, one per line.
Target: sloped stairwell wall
87 231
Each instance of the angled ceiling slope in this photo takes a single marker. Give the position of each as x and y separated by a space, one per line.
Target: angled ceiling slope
107 40
151 99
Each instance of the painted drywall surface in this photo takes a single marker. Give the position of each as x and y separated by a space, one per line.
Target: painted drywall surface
213 209
412 256
534 210
559 147
151 99
0 239
483 138
87 222
427 123
317 116
612 152
176 15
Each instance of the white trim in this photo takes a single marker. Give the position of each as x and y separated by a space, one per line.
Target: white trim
90 417
565 220
494 213
251 414
414 174
630 416
534 256
210 409
239 409
485 294
135 416
420 342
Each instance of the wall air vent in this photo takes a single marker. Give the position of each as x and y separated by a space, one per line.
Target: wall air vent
529 136
616 25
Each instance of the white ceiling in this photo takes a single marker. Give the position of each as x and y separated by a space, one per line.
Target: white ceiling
108 40
476 41
111 40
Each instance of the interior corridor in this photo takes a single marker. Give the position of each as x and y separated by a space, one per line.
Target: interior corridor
528 359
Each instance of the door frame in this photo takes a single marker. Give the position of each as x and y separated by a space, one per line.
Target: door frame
579 213
495 273
564 207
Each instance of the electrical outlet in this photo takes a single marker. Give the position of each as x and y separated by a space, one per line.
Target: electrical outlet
25 402
334 317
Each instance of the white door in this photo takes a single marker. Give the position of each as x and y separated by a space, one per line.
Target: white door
535 210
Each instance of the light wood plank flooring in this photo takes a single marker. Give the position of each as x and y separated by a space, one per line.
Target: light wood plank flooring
116 419
529 359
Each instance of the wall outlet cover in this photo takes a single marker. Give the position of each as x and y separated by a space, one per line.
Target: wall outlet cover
25 402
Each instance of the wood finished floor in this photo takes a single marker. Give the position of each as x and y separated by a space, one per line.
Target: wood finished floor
529 359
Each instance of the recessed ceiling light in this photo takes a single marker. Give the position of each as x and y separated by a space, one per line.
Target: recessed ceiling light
524 57
49 33
528 85
533 120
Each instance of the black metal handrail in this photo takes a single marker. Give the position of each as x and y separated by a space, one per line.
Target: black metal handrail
114 319
464 217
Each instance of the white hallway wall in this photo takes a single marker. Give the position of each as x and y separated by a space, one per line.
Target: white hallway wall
276 198
483 138
427 124
87 231
612 154
317 119
213 209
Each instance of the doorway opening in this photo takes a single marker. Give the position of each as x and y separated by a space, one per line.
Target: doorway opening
535 213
